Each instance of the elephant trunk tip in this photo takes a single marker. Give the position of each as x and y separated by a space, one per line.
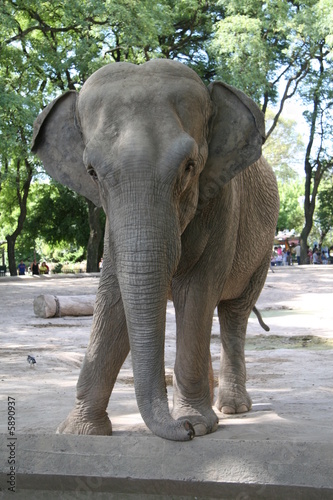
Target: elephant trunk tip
177 430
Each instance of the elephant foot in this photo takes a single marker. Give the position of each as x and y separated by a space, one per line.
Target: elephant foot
231 401
75 423
203 422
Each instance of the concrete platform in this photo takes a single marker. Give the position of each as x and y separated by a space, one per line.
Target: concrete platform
282 449
134 467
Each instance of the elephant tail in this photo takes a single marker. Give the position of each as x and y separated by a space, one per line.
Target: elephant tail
261 321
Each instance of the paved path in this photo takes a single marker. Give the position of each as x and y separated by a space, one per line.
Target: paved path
286 440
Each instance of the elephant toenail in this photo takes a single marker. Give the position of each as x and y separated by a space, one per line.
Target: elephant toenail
229 410
189 428
200 429
242 408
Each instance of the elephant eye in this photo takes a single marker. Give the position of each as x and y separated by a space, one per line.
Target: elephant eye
187 175
92 173
189 167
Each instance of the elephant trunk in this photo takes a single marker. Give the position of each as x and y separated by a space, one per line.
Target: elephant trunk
146 251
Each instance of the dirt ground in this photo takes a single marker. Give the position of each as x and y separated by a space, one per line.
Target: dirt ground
289 369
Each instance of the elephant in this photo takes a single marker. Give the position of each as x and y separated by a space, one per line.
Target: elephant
191 208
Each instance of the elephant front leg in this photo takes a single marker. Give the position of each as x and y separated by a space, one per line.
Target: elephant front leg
191 389
232 394
106 352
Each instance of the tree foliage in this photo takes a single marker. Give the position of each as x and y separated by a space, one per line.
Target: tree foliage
56 218
324 213
291 214
52 46
57 215
272 50
284 148
318 93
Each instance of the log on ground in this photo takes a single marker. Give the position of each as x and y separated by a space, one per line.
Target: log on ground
50 306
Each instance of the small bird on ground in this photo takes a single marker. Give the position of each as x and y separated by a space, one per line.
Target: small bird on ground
31 360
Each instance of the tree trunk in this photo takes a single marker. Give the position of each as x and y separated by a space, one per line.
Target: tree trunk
49 306
11 239
314 165
22 196
304 243
95 236
323 234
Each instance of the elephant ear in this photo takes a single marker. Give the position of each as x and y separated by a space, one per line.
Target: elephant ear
237 133
58 142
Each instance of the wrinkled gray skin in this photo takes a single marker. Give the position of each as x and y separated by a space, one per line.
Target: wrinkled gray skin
168 160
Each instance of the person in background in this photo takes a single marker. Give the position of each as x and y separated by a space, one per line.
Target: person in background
323 257
44 268
316 258
310 255
34 267
21 268
298 253
279 256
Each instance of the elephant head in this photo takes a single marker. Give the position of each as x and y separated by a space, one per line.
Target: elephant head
152 145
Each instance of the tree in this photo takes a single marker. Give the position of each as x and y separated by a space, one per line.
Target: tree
57 215
44 48
291 214
17 168
284 148
52 46
324 213
254 46
318 160
274 50
94 247
20 183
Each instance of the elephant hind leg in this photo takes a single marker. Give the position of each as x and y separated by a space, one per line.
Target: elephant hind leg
233 316
211 379
232 395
